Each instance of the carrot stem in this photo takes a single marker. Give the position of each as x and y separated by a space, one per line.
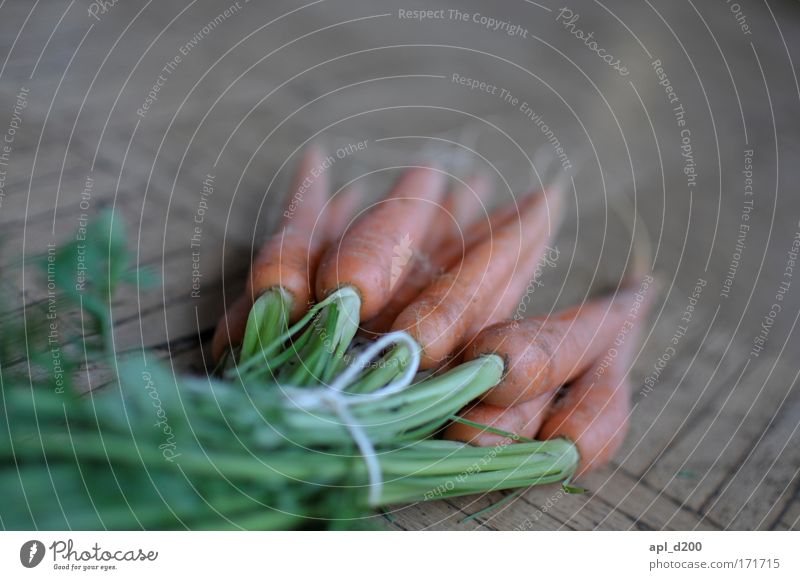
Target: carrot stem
490 429
465 470
272 345
268 319
308 365
385 370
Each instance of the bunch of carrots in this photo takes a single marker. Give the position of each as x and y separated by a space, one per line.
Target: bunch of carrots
372 357
428 261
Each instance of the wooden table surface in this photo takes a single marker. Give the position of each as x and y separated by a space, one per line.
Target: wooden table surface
690 122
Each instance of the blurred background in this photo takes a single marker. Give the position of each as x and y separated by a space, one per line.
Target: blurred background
673 122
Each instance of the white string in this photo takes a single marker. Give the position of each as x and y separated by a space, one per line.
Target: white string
334 397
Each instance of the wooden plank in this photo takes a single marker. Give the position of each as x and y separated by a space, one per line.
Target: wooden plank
576 511
684 390
790 520
523 513
755 490
50 190
543 508
712 448
435 515
645 504
615 500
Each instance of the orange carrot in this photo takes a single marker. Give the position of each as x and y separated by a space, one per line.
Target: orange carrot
480 228
462 202
544 352
231 327
512 295
467 199
288 257
442 315
594 410
523 420
372 257
285 258
521 279
557 348
341 211
420 275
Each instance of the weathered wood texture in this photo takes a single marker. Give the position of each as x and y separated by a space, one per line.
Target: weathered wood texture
705 93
